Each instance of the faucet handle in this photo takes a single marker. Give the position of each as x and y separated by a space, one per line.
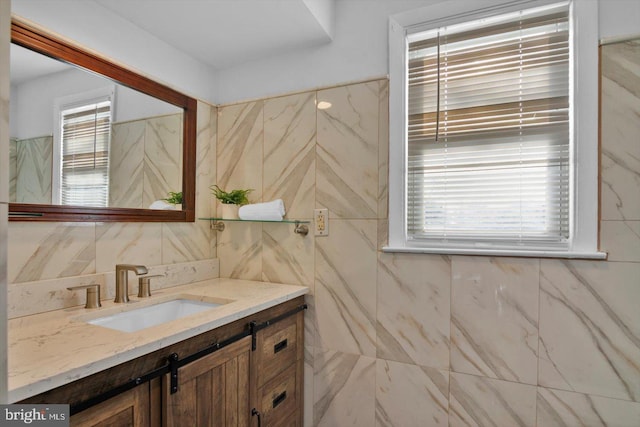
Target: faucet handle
93 294
144 285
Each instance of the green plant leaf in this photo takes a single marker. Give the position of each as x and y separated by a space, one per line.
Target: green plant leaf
174 198
234 197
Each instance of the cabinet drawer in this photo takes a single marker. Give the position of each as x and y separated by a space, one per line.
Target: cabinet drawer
278 400
277 348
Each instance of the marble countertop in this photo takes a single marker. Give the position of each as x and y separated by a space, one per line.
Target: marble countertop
52 349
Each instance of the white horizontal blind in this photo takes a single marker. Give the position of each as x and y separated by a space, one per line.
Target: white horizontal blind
86 132
489 131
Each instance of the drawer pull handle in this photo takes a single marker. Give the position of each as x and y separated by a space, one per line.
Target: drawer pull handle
278 400
280 346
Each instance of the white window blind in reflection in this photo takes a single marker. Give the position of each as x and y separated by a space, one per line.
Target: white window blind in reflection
86 132
489 131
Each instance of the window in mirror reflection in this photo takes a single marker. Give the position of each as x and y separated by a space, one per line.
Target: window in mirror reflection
141 160
83 165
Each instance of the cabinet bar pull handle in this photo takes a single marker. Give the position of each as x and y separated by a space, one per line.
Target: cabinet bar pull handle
255 413
278 400
280 346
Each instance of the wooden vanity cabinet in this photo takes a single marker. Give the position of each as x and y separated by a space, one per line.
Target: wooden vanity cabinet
230 387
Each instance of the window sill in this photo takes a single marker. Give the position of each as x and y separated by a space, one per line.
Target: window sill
497 252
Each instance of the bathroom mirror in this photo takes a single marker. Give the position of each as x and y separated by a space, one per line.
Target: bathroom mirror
93 141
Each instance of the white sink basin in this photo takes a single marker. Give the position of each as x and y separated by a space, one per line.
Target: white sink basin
153 315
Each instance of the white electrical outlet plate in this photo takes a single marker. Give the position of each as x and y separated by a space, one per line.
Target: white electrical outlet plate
321 222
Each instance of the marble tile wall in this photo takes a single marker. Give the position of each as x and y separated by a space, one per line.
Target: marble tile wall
43 257
126 164
426 340
145 160
34 160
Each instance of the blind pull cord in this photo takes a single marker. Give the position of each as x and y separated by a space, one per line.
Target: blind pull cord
438 91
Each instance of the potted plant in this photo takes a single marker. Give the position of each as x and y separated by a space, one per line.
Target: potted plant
175 199
231 200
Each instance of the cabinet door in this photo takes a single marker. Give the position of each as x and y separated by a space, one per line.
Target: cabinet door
212 391
128 409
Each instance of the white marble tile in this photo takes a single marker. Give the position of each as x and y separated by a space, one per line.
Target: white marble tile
240 250
33 170
383 233
345 287
480 401
621 240
182 242
383 150
287 257
410 395
413 309
41 251
127 243
205 159
307 404
206 172
344 389
162 171
494 317
347 151
289 153
620 129
310 321
590 327
126 165
186 272
240 148
566 409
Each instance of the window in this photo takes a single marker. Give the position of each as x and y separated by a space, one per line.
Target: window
485 119
83 152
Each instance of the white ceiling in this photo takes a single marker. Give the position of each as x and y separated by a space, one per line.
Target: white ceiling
224 33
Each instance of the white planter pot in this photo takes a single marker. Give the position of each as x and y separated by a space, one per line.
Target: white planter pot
229 211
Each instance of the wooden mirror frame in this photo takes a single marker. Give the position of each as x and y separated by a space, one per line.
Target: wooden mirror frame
31 37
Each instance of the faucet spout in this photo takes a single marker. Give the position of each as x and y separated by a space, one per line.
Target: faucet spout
122 280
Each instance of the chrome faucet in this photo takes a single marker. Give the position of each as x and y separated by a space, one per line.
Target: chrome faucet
122 280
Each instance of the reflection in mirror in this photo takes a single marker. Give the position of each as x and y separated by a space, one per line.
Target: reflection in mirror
78 139
84 147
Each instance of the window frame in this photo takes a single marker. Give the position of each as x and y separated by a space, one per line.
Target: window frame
584 105
59 106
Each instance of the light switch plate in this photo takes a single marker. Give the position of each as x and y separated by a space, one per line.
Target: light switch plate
321 222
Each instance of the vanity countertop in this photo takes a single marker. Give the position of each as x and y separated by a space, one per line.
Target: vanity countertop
52 349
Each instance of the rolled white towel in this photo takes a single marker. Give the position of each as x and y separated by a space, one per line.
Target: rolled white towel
268 211
162 205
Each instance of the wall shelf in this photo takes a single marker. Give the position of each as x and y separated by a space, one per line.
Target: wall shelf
301 226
